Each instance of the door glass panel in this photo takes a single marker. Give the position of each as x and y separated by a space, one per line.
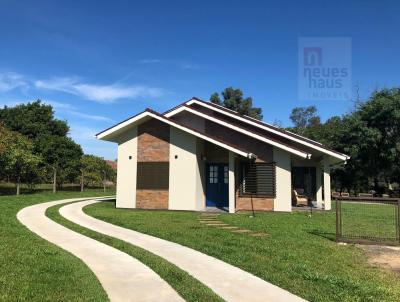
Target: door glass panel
226 176
213 179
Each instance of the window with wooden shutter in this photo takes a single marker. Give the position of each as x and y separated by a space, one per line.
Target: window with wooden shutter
258 179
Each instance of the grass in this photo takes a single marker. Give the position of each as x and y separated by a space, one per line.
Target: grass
188 287
298 254
32 269
369 220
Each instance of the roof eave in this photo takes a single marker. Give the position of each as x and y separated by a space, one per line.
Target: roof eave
292 136
114 132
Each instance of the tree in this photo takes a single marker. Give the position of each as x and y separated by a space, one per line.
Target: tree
233 99
381 115
33 120
62 158
303 118
95 171
370 135
17 159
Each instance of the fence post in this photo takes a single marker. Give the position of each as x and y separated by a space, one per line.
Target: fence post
398 221
338 218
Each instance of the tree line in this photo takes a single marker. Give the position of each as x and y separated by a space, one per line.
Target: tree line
35 148
369 134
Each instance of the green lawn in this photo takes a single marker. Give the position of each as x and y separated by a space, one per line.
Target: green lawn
369 220
298 255
187 286
31 269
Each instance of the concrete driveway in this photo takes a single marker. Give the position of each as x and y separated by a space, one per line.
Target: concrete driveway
122 277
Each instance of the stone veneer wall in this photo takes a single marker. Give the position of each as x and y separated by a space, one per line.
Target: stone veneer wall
152 146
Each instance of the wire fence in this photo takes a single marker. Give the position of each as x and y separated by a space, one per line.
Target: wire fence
368 220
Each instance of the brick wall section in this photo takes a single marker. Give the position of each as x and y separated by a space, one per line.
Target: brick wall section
152 199
259 204
153 141
153 146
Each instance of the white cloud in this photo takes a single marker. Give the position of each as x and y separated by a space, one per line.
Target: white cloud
11 103
59 105
83 133
71 110
185 65
149 61
91 117
10 81
98 93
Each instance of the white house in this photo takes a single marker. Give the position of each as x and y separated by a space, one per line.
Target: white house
200 155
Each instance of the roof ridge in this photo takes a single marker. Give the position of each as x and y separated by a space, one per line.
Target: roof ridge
258 121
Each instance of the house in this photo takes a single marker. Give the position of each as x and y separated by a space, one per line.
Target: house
200 154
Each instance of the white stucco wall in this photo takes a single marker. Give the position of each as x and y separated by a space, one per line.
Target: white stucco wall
126 175
283 200
185 186
200 180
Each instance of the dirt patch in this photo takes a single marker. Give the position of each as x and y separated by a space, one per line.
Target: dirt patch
383 256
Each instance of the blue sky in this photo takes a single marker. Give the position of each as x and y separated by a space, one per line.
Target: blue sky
99 62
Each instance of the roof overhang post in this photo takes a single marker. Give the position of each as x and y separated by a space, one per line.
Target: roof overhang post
327 183
231 182
318 184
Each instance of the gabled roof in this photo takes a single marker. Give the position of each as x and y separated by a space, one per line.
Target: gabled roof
112 134
262 138
259 124
269 134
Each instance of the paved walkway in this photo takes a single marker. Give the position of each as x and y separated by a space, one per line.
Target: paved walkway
229 282
123 277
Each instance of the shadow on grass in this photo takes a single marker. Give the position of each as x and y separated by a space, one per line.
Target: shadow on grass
12 191
327 235
9 189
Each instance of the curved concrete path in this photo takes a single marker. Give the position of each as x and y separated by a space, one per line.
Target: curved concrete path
123 277
228 281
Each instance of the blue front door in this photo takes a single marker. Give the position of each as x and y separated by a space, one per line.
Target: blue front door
217 179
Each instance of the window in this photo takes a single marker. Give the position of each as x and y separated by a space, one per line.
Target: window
153 175
258 179
213 174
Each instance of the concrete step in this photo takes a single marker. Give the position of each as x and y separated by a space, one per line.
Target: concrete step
259 234
241 231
